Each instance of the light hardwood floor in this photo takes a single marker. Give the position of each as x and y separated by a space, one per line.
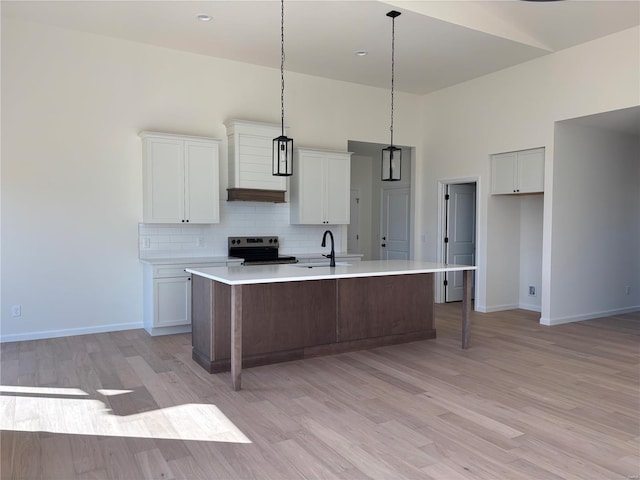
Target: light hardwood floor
524 402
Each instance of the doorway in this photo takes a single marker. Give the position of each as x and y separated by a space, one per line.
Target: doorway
353 230
395 231
375 199
459 238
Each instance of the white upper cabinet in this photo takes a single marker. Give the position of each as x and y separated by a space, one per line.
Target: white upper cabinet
250 145
320 186
181 179
518 172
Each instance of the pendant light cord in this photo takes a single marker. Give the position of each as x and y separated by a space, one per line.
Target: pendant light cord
393 49
282 64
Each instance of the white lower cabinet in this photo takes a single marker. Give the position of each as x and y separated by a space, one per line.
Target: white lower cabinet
167 296
172 301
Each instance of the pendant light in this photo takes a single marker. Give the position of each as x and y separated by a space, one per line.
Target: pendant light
392 156
282 161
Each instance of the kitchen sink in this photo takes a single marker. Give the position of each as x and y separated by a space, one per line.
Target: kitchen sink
320 264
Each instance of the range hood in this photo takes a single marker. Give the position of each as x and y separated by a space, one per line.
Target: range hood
255 195
249 149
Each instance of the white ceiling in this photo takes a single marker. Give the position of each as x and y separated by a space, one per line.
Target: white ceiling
438 43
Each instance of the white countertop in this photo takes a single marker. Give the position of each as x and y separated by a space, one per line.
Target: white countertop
203 259
187 260
321 254
246 275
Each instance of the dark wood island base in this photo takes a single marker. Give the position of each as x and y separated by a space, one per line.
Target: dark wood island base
295 320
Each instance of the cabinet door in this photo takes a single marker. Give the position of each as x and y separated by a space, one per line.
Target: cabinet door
503 173
311 191
201 182
338 188
164 181
172 301
531 171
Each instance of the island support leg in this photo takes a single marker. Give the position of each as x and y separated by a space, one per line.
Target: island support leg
236 336
466 306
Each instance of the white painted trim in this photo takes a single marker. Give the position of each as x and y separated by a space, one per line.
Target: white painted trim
442 183
157 331
532 308
480 308
69 332
500 308
588 316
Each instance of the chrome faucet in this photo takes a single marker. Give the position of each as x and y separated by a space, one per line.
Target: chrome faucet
332 255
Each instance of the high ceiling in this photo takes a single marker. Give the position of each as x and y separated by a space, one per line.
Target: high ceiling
438 43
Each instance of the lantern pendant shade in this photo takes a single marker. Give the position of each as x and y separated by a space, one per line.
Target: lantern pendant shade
391 164
392 156
282 151
282 156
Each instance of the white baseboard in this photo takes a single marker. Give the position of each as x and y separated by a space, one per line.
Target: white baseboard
69 332
532 308
588 316
499 308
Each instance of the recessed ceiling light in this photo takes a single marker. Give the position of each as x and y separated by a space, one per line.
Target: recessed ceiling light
361 53
203 17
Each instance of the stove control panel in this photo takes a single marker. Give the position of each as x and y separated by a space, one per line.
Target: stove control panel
253 242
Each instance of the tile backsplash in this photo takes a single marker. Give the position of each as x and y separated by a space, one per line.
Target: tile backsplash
236 219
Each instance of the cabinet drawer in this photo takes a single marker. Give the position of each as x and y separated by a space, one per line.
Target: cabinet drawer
161 271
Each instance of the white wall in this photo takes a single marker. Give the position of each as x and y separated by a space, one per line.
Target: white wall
73 104
72 107
596 224
520 246
503 266
531 223
515 109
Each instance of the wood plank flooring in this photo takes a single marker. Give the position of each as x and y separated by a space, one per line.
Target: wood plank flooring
523 402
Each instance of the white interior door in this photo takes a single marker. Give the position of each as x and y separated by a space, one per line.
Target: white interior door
353 230
460 235
395 223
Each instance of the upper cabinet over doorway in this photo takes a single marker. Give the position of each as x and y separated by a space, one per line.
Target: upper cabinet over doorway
518 172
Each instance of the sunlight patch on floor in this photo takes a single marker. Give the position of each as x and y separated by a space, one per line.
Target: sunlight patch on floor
35 409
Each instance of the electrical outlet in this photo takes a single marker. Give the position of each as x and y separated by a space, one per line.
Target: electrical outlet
532 291
146 242
16 310
627 290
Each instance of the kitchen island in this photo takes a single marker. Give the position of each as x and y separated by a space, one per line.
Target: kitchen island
272 313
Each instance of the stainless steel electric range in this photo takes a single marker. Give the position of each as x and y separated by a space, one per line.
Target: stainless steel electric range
258 250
